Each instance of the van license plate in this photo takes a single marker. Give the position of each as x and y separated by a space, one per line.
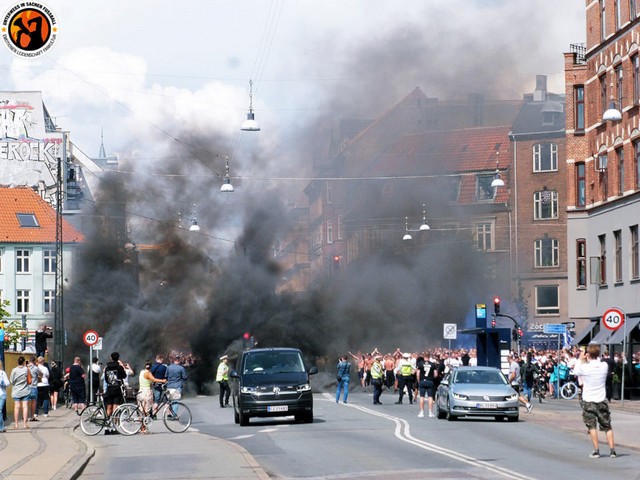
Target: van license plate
278 408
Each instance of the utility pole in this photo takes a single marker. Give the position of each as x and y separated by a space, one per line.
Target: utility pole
58 319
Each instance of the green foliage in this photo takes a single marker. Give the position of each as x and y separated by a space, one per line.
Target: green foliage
12 330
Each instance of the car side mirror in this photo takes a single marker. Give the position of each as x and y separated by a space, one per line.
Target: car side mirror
234 374
312 370
444 382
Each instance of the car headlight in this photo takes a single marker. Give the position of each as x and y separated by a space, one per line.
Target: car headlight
459 396
304 388
511 398
248 390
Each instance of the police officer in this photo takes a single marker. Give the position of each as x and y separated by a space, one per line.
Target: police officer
222 377
405 377
377 374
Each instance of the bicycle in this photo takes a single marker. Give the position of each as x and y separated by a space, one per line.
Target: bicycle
93 418
175 415
569 390
540 388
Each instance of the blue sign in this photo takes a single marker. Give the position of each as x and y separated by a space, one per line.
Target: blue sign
555 328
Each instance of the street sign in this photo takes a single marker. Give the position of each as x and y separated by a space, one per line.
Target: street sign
555 328
613 318
90 337
98 345
570 325
450 331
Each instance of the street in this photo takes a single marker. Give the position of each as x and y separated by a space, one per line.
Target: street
360 441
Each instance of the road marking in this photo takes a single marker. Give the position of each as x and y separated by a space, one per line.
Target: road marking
240 437
403 433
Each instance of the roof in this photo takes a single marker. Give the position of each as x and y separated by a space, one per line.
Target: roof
541 118
24 200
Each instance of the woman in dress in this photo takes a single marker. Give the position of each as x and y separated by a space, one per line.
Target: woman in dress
145 393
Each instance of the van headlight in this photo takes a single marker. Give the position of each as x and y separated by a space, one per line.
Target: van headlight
248 390
304 388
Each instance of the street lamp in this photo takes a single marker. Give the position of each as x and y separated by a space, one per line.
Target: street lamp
497 181
612 114
194 222
423 227
226 186
250 124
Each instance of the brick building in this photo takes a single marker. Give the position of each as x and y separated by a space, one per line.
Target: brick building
603 171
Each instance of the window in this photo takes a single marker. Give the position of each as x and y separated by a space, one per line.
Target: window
617 238
49 257
619 86
317 235
620 154
635 258
616 10
452 188
603 259
545 157
22 301
547 300
484 190
329 192
579 106
339 227
636 79
1 254
546 252
484 236
632 9
22 261
603 94
581 263
636 159
329 231
49 301
581 182
27 220
545 204
603 20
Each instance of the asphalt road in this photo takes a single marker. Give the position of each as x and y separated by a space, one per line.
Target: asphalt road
390 441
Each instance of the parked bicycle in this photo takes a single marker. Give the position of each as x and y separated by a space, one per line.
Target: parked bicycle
540 387
569 389
175 415
93 418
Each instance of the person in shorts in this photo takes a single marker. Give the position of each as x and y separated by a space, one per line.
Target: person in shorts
114 375
426 373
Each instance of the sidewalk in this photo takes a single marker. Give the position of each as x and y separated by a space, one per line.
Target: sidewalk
56 448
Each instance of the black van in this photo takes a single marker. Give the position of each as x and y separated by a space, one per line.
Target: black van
271 382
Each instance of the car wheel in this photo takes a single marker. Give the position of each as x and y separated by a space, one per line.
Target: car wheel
449 415
236 415
514 419
499 418
243 419
307 417
438 411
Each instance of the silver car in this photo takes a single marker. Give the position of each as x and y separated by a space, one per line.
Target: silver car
476 391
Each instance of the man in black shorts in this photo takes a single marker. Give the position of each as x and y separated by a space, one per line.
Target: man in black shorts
114 376
427 372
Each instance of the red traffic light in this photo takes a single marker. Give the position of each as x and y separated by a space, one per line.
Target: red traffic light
336 258
246 336
496 304
493 322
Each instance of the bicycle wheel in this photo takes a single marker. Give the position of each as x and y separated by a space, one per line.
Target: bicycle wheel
177 417
92 420
569 390
129 419
120 410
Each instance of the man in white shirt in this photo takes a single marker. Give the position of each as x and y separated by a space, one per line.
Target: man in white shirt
595 409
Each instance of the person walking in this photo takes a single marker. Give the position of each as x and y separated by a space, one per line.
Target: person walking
529 372
515 379
377 374
20 380
595 409
222 377
344 370
4 383
405 378
145 395
43 388
176 378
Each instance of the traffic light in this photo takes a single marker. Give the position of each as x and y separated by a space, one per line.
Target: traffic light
336 262
496 305
520 333
245 340
493 321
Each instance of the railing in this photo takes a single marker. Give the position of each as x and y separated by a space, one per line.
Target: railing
580 49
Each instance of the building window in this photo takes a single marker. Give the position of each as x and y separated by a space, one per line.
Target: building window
329 192
484 190
581 262
603 94
603 259
636 79
579 106
546 252
22 261
619 86
329 231
603 20
22 301
616 9
27 220
636 159
547 300
581 185
635 258
617 238
484 236
339 227
632 9
545 204
452 188
545 157
1 255
49 257
317 235
49 301
620 154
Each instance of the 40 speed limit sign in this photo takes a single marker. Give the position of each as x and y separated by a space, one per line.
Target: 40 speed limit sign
90 337
613 318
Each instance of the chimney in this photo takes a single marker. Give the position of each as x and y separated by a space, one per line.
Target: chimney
540 95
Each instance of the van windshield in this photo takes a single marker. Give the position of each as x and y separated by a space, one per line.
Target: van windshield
272 362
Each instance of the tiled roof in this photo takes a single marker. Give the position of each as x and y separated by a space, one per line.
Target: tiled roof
25 200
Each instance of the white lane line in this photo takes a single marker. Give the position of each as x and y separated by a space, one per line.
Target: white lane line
403 432
240 437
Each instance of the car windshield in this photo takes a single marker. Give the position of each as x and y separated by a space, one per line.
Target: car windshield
273 362
493 377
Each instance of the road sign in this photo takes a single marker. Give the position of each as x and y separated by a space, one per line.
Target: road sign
450 331
570 324
613 318
555 328
98 345
90 337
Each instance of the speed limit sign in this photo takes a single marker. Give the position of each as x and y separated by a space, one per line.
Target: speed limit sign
613 318
90 337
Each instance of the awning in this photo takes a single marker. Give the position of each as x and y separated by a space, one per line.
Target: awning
603 336
618 335
583 334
